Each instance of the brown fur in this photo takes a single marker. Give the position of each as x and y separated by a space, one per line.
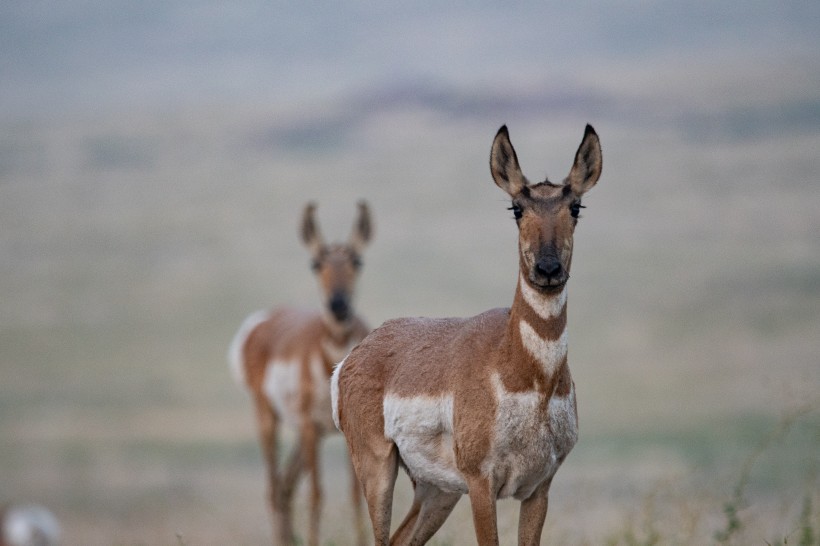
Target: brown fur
286 345
489 372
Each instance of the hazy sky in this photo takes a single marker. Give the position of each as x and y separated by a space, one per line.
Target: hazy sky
117 54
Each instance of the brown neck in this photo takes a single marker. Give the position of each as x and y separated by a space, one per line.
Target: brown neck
537 334
336 337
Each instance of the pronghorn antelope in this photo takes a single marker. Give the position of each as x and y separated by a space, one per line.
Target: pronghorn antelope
285 357
482 405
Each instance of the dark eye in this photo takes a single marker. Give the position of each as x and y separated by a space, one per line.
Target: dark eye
357 262
315 265
517 212
575 209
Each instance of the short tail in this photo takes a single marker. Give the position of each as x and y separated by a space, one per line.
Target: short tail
334 392
236 356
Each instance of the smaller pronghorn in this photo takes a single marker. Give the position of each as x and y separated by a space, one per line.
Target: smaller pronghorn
482 405
285 357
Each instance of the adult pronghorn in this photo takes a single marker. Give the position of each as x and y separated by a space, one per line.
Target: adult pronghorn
284 357
482 405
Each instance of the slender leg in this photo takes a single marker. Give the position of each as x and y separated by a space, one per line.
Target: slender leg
310 444
377 469
532 515
482 500
405 529
356 501
268 426
291 473
430 509
288 480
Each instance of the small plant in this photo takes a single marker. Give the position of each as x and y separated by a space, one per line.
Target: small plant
733 506
807 536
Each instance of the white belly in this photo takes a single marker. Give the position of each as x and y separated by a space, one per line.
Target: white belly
529 442
282 388
422 429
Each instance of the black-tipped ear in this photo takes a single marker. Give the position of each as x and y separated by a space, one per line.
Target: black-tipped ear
588 162
504 164
311 235
362 228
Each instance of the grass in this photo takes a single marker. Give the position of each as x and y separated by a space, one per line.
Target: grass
129 262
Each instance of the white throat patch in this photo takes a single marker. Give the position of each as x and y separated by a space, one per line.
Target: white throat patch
548 352
546 307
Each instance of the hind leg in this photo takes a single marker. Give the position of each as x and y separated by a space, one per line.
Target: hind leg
431 507
356 501
377 467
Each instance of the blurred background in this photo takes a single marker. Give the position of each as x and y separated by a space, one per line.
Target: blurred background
154 160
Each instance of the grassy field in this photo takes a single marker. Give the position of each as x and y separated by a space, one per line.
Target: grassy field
133 245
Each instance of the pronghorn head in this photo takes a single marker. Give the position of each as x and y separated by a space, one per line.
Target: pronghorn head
337 265
546 213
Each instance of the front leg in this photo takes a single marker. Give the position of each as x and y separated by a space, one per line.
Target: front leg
268 424
482 501
310 445
532 515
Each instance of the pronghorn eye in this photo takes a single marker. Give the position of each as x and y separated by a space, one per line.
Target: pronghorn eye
357 262
315 265
517 212
575 209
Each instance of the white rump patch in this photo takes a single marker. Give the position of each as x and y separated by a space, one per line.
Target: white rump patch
236 355
548 352
422 429
546 307
334 392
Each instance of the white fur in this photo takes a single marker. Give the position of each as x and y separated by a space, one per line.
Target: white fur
236 357
546 307
29 525
281 387
321 394
422 429
528 445
334 392
564 421
548 352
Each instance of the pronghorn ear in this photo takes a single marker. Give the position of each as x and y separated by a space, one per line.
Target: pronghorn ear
504 164
311 235
587 167
362 228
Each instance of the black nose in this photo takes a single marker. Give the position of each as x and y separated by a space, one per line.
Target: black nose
339 306
549 267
